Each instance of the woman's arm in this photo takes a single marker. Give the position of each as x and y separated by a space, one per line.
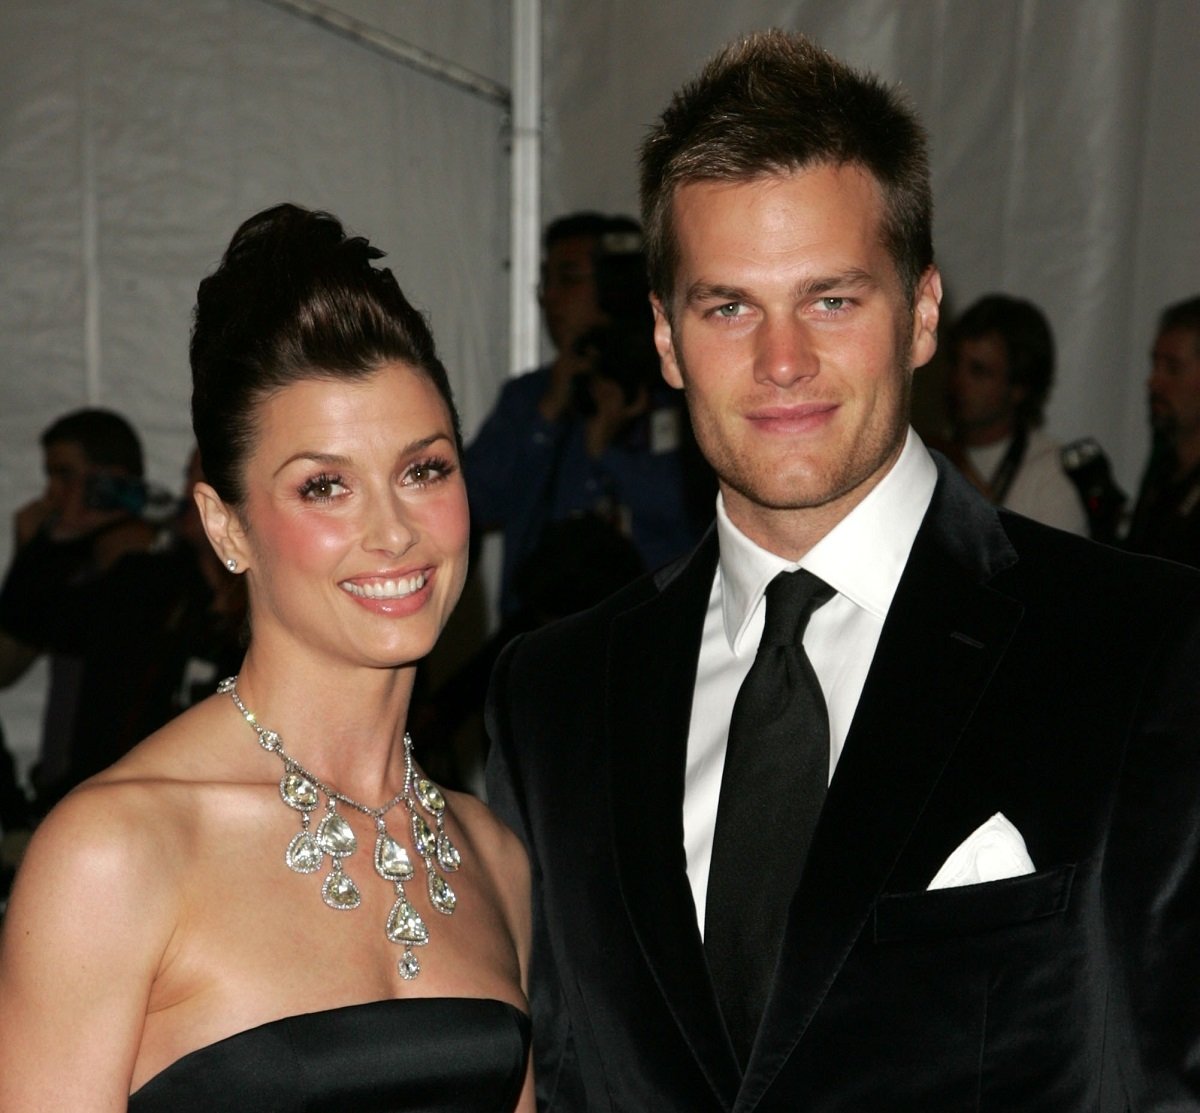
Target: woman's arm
90 918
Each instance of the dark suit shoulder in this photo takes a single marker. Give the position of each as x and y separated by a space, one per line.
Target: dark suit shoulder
1077 569
588 630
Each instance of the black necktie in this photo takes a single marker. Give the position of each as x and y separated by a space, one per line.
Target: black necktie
773 786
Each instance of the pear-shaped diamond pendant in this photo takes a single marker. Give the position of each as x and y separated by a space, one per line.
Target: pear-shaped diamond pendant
303 854
447 853
391 859
298 791
409 966
335 836
405 925
441 896
340 892
423 837
431 797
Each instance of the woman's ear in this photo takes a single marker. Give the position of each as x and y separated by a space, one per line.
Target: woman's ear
224 528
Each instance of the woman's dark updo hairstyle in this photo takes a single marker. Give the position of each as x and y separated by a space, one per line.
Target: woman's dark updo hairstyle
294 298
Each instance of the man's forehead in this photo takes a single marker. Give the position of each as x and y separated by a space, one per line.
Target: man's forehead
1179 342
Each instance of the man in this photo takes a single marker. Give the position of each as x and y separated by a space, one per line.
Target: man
993 904
567 439
1166 521
1001 368
67 540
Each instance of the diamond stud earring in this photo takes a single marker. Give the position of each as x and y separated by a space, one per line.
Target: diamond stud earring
231 564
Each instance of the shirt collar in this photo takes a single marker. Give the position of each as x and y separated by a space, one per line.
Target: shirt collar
862 557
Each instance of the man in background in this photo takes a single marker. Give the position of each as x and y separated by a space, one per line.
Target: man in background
1001 371
1166 520
68 540
593 432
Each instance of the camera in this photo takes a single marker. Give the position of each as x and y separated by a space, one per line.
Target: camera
107 491
622 349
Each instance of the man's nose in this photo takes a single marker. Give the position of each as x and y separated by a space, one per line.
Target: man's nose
786 353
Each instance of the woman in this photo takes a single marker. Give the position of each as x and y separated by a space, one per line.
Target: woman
264 905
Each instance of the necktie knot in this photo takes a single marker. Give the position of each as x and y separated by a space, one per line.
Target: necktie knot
791 598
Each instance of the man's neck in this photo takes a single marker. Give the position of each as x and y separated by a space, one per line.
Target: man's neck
790 533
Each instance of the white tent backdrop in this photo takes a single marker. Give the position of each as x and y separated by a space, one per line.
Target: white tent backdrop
135 134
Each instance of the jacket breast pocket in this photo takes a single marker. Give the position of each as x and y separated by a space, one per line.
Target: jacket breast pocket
973 909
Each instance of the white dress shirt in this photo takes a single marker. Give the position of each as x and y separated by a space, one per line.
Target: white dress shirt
862 559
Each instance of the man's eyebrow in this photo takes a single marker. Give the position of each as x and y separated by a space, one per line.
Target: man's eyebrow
708 291
853 279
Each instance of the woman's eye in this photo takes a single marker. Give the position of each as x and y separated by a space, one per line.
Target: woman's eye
429 471
322 488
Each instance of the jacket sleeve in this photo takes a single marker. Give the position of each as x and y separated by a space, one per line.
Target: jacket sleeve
1152 876
559 1083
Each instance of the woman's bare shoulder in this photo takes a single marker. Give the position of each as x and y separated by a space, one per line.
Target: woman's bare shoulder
488 833
135 815
93 917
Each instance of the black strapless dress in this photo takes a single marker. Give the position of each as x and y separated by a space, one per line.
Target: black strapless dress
413 1055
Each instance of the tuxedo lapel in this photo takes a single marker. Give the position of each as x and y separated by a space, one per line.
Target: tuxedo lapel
945 633
651 673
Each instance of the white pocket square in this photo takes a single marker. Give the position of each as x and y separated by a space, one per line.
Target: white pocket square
993 851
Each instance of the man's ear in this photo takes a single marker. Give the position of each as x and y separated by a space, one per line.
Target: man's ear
664 341
926 313
224 528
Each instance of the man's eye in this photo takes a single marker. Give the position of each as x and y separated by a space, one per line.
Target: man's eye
832 305
729 309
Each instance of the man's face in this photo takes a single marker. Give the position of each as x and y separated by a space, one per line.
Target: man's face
1174 383
568 293
979 393
67 469
69 474
791 336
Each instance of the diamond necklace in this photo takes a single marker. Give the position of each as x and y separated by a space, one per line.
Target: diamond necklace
301 790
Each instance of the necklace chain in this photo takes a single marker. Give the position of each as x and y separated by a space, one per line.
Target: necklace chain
300 789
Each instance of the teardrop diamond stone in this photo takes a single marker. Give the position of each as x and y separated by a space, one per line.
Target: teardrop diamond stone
298 792
335 836
340 892
391 859
431 796
405 925
440 893
303 854
408 966
423 837
447 854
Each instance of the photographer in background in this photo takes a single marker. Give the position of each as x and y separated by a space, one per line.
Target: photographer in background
595 431
1002 368
67 542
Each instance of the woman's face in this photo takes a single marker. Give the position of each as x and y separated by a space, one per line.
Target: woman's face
354 527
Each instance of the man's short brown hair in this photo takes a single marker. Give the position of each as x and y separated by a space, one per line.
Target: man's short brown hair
773 103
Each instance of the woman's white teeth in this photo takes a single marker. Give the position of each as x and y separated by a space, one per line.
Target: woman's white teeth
386 589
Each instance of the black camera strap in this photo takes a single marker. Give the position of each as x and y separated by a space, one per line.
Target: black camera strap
1001 480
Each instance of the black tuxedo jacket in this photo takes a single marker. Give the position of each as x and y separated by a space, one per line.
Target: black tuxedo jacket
1020 670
